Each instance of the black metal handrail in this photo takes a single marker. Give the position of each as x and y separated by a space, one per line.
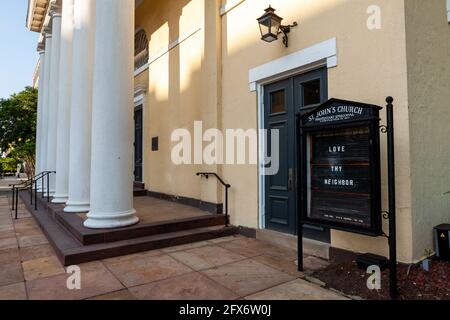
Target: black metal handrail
227 187
33 181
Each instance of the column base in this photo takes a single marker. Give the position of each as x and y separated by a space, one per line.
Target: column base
60 199
111 220
73 207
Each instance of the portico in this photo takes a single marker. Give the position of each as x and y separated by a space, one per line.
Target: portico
194 61
85 120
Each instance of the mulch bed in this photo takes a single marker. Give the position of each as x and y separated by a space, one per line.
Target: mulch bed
414 282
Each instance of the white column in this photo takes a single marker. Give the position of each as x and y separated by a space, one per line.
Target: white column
53 96
46 103
81 113
112 117
40 109
64 104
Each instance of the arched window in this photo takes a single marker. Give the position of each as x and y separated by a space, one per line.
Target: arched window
140 49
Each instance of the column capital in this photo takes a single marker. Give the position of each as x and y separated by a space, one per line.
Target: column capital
55 10
41 47
55 13
47 32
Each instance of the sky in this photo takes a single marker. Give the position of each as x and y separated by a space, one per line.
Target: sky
18 55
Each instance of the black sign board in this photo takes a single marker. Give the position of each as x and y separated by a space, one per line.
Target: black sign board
341 167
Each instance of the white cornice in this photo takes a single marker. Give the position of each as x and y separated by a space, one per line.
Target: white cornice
36 15
229 5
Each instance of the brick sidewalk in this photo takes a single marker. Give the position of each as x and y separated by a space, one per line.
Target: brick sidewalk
229 268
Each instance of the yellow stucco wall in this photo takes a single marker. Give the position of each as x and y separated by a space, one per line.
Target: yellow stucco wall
173 98
206 77
428 56
371 66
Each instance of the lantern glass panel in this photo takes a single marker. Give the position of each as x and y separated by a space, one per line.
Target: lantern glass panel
265 26
276 23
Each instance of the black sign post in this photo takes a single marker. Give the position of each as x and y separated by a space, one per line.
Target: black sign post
340 172
392 202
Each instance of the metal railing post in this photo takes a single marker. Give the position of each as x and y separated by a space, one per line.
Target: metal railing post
227 187
43 185
17 203
31 191
13 197
227 216
30 183
48 186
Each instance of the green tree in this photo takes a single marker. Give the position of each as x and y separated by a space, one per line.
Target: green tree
18 127
8 165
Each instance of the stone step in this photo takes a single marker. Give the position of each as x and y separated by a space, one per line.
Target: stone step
74 224
138 192
115 249
71 251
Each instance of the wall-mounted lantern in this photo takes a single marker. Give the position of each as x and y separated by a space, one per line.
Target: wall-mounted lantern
270 26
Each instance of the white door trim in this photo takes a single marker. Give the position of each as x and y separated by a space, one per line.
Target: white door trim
323 53
314 57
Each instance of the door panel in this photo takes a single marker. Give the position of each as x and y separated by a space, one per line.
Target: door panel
283 102
279 182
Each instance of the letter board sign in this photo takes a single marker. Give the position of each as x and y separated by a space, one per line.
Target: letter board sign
341 167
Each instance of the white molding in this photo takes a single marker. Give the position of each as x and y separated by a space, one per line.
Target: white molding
324 53
137 30
139 96
173 45
261 168
230 5
141 69
448 10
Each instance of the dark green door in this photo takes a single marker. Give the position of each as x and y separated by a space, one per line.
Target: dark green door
280 189
138 144
284 101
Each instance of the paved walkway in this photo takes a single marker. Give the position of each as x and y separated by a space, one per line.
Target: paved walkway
5 182
224 269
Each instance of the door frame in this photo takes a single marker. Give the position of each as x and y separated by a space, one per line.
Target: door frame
321 55
137 109
140 100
